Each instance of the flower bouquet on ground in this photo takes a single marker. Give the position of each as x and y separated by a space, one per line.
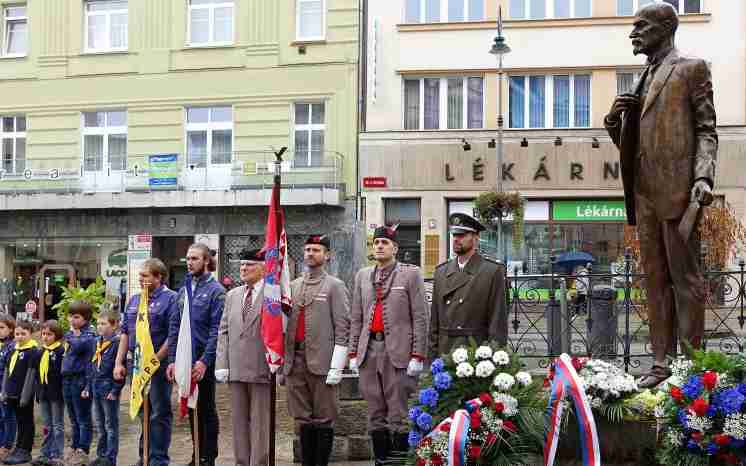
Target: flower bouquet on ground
477 405
703 419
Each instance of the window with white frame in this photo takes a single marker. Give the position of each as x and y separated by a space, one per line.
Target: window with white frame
554 101
461 98
543 9
13 143
310 20
310 129
106 25
625 81
210 22
15 27
209 135
433 11
105 140
683 7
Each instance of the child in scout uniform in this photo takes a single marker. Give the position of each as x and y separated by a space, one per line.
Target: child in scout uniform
316 351
7 416
49 395
105 390
388 342
18 390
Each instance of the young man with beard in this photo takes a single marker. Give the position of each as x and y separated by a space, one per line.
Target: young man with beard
388 342
206 298
316 351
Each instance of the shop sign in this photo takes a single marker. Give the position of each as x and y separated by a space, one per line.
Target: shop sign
590 210
140 242
163 171
374 182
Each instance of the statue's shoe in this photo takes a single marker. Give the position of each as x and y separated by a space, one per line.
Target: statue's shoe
655 377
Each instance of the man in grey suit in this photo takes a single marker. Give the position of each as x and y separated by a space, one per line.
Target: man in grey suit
241 362
316 351
388 341
666 135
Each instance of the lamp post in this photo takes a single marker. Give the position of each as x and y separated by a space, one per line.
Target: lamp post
500 48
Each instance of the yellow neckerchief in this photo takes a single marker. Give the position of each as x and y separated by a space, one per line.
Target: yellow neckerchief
44 362
100 348
13 359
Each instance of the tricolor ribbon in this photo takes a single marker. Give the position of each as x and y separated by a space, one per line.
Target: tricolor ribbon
567 382
457 438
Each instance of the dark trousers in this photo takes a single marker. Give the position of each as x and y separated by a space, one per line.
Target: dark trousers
25 423
207 416
8 426
79 411
161 418
107 415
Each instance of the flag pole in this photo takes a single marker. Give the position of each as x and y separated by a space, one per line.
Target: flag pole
273 375
146 430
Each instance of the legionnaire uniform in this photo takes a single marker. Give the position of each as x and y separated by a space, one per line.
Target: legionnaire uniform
388 338
469 300
241 352
315 356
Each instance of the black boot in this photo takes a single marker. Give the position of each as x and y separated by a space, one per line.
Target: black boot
399 447
381 446
308 444
324 444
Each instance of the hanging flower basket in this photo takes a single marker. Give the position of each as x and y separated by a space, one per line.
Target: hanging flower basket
491 205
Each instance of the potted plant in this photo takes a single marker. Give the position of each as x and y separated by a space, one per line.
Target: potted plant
492 205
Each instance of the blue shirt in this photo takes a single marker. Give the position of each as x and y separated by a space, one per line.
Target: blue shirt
162 304
80 350
206 310
102 376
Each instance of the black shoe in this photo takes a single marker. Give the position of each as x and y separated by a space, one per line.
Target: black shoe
308 444
399 447
381 446
324 444
18 456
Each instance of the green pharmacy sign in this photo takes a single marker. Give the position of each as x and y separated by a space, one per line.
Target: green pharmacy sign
589 210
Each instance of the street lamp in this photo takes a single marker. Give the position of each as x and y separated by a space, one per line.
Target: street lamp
499 48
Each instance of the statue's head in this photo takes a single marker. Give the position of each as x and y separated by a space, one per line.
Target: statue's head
654 26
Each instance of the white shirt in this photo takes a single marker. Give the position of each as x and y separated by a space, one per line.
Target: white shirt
462 266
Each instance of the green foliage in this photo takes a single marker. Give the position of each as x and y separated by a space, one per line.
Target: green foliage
94 294
711 360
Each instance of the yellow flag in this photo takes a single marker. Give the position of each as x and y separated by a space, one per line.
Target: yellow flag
145 360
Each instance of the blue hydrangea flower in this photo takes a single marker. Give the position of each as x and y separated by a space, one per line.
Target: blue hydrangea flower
692 445
693 387
712 410
414 438
414 413
737 444
429 397
425 422
681 416
712 448
437 366
442 380
729 401
742 389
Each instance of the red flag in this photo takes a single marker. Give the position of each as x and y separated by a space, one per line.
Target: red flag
276 283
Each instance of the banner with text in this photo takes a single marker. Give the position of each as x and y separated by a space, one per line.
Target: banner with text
589 210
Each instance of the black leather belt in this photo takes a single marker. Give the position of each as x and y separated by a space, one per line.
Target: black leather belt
377 336
300 345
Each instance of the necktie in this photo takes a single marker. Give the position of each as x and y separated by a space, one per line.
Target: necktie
247 303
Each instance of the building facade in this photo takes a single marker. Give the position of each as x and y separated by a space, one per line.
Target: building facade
132 128
428 145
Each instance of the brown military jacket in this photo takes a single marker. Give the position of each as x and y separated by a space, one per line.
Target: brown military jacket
240 345
468 303
404 314
327 323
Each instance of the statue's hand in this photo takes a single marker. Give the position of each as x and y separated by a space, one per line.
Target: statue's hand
702 192
622 103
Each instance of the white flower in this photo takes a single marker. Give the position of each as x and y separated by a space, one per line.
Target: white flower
675 438
596 402
735 426
503 381
485 369
483 352
701 424
464 370
501 358
510 404
659 412
523 378
460 355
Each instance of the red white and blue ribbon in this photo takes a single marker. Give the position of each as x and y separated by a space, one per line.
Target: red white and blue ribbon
457 438
567 382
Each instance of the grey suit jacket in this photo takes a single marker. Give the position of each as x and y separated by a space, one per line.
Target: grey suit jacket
240 345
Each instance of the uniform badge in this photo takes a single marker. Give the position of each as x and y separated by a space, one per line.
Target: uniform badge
456 221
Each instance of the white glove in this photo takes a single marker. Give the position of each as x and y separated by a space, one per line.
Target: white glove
353 364
415 367
334 376
337 365
221 375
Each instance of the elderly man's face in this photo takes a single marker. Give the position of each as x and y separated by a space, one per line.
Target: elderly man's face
647 34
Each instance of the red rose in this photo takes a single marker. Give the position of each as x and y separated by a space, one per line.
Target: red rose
510 427
490 439
676 393
699 406
499 407
710 380
445 427
696 436
486 399
729 458
475 451
576 363
547 383
426 442
420 462
722 440
436 460
476 421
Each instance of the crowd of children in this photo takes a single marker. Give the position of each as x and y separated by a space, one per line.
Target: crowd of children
72 371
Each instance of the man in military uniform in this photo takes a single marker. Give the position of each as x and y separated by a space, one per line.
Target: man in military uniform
316 351
468 293
388 342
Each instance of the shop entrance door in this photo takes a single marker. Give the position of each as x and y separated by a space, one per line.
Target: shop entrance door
53 278
172 251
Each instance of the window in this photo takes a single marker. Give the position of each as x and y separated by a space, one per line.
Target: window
434 11
13 143
465 10
106 25
561 101
541 9
310 126
629 7
16 31
462 98
209 134
310 19
626 80
210 22
105 140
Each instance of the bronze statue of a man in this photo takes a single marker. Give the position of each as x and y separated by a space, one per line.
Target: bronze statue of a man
665 132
